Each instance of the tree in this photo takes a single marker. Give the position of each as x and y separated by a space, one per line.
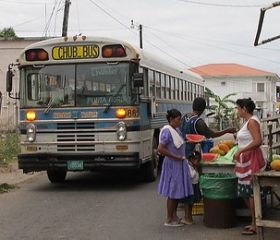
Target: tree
221 110
8 33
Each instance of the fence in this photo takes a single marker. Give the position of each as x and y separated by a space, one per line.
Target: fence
271 133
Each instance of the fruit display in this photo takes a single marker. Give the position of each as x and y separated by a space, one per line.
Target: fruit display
223 147
209 156
275 164
195 138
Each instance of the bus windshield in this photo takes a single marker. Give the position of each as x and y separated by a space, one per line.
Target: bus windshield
97 84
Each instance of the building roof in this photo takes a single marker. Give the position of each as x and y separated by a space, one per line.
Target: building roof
228 69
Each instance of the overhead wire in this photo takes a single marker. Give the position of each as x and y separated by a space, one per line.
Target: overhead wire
125 26
23 2
78 17
151 31
220 4
58 8
110 15
45 31
172 56
27 21
206 42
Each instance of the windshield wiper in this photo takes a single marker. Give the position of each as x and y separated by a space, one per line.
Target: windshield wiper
112 98
50 104
54 101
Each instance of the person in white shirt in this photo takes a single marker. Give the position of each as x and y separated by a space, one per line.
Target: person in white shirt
193 162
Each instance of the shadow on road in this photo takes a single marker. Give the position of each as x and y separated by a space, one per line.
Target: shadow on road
101 181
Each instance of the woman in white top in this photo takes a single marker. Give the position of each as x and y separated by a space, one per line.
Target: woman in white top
249 157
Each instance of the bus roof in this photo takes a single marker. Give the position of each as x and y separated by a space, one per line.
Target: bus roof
146 59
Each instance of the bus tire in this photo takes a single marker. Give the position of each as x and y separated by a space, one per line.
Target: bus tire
150 169
56 176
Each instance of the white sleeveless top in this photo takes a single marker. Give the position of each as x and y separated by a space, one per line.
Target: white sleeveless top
244 136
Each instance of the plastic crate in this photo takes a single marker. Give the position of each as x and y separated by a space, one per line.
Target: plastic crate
198 208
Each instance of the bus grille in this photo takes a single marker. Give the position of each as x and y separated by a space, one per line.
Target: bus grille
76 138
73 126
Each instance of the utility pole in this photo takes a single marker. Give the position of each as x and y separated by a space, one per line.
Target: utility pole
140 36
65 18
140 27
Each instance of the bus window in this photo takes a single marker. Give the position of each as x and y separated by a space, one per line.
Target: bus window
157 83
99 83
49 84
168 87
33 87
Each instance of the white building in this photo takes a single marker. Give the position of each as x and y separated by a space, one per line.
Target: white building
9 52
246 82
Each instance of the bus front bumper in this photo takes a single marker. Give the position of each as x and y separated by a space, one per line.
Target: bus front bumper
47 161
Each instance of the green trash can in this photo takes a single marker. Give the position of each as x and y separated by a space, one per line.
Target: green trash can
219 196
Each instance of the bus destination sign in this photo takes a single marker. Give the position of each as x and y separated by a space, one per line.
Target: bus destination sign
75 52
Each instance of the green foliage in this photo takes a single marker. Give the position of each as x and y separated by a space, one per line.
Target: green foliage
9 147
221 110
5 187
8 33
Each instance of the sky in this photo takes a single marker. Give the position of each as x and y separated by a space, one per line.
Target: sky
188 33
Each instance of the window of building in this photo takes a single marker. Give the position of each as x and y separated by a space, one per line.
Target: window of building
260 87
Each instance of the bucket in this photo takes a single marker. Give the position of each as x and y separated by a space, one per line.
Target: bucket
219 213
219 197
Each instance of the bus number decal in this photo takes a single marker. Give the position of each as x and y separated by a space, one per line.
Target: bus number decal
62 115
132 112
75 52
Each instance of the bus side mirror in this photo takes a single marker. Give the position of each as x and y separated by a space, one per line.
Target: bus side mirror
9 80
138 80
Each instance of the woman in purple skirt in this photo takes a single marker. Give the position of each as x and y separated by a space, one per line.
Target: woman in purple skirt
175 180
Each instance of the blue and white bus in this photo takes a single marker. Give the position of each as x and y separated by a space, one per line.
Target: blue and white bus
95 103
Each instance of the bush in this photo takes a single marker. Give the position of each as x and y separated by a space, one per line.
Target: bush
9 147
6 187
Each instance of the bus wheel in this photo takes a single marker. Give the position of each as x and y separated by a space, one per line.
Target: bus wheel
150 169
56 176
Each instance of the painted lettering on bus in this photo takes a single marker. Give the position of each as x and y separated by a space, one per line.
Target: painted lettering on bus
90 51
67 52
75 52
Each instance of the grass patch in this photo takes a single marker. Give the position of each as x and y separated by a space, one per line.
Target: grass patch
5 187
9 148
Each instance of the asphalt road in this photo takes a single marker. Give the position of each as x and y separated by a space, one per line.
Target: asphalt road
97 207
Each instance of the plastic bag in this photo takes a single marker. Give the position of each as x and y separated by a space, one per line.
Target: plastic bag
218 185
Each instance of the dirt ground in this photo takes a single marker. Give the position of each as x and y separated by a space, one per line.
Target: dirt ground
12 175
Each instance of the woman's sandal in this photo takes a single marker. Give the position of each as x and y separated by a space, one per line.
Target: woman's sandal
248 227
186 222
249 231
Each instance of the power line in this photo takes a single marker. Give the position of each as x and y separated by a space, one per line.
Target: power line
220 5
78 17
211 39
50 18
218 69
27 21
110 15
23 2
56 14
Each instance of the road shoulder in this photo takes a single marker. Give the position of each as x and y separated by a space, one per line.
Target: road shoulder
12 175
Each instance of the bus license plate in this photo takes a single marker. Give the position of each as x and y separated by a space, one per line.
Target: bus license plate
75 165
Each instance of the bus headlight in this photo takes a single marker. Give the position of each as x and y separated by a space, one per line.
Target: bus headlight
30 132
121 131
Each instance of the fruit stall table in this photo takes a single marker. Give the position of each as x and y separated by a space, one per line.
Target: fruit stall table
217 166
267 178
220 164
